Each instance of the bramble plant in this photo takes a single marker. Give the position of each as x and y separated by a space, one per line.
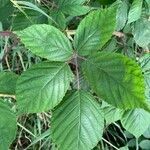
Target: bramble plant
115 83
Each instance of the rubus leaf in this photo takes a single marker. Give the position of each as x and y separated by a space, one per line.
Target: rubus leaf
145 65
111 114
6 10
116 79
59 18
75 10
46 41
42 86
122 15
136 121
146 134
145 144
8 126
8 82
141 32
95 30
72 7
21 22
135 11
77 123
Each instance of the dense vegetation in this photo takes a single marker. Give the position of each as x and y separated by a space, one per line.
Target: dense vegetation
74 74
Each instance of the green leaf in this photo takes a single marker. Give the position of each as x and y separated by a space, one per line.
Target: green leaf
8 126
145 65
46 41
124 148
136 121
116 79
95 30
146 134
72 7
77 123
6 10
122 15
145 144
141 32
42 86
59 18
21 22
111 113
8 82
135 11
75 10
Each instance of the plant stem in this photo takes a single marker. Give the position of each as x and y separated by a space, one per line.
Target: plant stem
110 144
137 144
77 71
8 96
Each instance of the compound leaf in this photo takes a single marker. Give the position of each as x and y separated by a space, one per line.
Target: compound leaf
77 123
42 86
46 41
8 126
116 79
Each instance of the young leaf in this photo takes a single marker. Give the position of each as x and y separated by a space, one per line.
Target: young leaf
46 41
8 126
42 86
8 82
77 123
135 11
136 121
116 79
95 30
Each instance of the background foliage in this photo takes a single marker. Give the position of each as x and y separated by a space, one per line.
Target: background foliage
60 29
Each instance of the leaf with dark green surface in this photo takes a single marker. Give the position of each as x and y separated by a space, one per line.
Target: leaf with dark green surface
106 2
42 86
46 41
72 7
8 82
59 18
135 11
95 30
77 123
116 79
136 121
6 10
21 22
8 126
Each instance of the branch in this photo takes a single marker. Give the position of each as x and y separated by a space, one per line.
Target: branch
8 96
